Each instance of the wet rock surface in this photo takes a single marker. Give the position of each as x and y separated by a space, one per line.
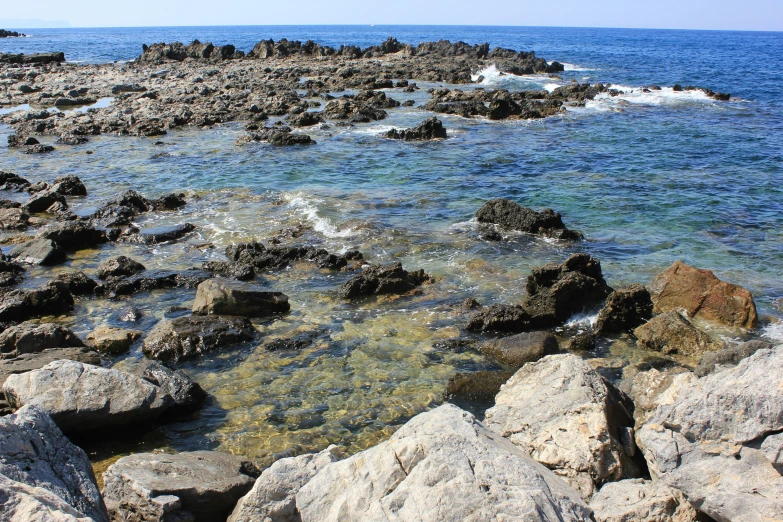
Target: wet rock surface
511 216
185 395
519 349
190 336
383 279
625 309
429 129
226 297
29 337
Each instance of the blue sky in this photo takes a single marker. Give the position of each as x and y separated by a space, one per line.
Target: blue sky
671 14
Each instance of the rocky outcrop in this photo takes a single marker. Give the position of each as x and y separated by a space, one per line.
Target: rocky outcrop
227 297
701 295
82 398
279 137
707 442
202 486
191 336
30 337
625 309
161 52
353 112
637 500
570 419
10 34
273 497
112 341
150 280
429 129
519 349
34 452
670 332
42 58
44 252
383 279
249 258
442 465
653 388
509 215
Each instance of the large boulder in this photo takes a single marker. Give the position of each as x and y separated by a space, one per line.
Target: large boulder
509 215
522 348
30 337
226 297
41 201
74 235
637 500
34 452
82 398
190 336
708 442
69 186
566 416
78 282
383 279
701 295
625 309
442 465
27 362
44 252
670 332
200 486
273 497
54 298
653 388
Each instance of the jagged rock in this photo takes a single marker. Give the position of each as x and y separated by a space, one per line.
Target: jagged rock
67 138
40 58
510 215
273 496
34 452
82 398
38 149
582 342
259 257
653 388
625 309
30 337
54 298
637 500
190 336
429 129
702 296
442 465
353 112
10 181
476 386
202 486
707 442
119 266
227 297
113 341
150 280
41 201
122 209
305 119
14 219
185 394
74 235
729 356
670 332
522 348
69 185
78 283
569 418
44 252
10 273
383 279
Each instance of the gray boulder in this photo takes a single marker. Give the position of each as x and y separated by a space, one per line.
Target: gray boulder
200 486
637 500
30 337
566 416
729 356
191 336
670 332
22 503
442 465
44 252
82 398
710 441
273 497
34 452
653 388
519 349
227 297
27 362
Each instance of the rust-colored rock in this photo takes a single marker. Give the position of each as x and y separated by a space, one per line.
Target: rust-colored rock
701 295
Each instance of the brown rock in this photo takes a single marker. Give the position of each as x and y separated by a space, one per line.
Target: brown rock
672 333
113 341
522 348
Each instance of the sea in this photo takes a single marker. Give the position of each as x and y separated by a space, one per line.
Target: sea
648 177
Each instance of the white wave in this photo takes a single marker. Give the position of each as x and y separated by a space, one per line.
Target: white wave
667 96
773 331
582 320
571 67
308 207
552 86
463 226
493 77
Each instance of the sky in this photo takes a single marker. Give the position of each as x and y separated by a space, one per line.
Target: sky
759 15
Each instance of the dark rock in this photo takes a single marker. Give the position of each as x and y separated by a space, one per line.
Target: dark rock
78 283
299 341
122 209
383 279
14 219
353 112
120 266
261 258
227 297
190 336
522 348
72 140
69 186
185 394
30 337
169 202
10 273
21 141
112 341
582 342
42 58
238 271
729 356
476 386
278 137
43 252
157 235
500 318
625 309
38 149
305 119
150 280
41 201
429 129
54 298
74 235
509 215
7 203
10 181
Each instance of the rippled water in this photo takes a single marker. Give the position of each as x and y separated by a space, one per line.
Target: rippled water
648 177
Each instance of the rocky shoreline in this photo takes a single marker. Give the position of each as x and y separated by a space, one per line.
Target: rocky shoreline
693 435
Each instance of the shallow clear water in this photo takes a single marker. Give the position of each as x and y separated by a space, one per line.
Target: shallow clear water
649 179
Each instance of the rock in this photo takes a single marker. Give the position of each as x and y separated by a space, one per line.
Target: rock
567 417
78 283
10 273
82 398
33 451
74 235
20 502
44 252
38 149
582 342
30 337
383 279
476 386
625 309
69 185
190 336
707 442
227 297
729 356
202 486
41 201
273 497
637 500
702 296
353 112
522 348
14 219
27 362
157 235
67 138
259 257
10 181
653 388
442 465
185 395
113 341
511 216
119 266
672 333
122 209
429 129
40 58
772 448
54 298
150 280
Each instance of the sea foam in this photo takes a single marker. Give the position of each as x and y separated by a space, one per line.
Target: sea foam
307 206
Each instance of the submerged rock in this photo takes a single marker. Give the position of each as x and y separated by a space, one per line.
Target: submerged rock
522 348
202 486
670 332
226 297
190 336
476 386
383 279
511 216
429 129
702 296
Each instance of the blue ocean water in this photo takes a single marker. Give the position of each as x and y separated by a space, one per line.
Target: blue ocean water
649 178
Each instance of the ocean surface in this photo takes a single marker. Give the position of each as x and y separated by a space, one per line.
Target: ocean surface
649 178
